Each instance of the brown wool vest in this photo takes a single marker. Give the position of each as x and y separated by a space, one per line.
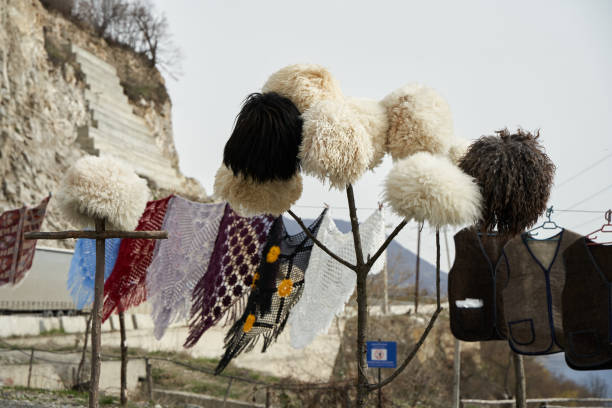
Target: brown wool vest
587 306
473 277
531 275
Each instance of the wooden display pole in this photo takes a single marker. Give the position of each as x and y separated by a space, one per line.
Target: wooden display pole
100 235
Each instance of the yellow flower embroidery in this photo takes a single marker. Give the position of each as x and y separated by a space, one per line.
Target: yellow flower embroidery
255 279
285 287
273 254
248 325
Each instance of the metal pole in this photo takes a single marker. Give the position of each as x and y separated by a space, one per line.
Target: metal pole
448 261
418 267
149 380
520 384
385 289
124 359
96 324
379 390
457 376
227 390
30 368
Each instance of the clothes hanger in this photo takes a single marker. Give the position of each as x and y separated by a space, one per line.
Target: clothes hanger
546 225
606 228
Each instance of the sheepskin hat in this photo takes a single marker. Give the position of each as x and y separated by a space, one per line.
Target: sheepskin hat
266 138
458 149
419 120
427 187
515 176
335 145
249 198
304 84
102 187
373 117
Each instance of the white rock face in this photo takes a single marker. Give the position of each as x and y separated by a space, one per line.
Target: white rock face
46 105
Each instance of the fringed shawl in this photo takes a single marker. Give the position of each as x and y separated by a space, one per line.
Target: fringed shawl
181 260
278 288
329 284
230 271
126 287
82 273
16 253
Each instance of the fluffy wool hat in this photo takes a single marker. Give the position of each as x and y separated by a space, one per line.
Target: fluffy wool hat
372 115
102 187
336 147
515 176
427 187
266 138
419 120
304 85
249 198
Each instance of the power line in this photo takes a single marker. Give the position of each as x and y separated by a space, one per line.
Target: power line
590 197
581 172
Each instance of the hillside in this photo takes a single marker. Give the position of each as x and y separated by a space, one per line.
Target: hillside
48 107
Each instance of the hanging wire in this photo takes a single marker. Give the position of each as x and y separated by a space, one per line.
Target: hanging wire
581 172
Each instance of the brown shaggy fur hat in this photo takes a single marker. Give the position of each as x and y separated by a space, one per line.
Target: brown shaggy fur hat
515 176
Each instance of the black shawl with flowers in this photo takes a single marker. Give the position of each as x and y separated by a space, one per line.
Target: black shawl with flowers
278 286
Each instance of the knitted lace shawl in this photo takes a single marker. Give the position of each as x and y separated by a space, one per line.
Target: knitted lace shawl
328 284
285 260
126 286
82 273
181 260
16 253
230 271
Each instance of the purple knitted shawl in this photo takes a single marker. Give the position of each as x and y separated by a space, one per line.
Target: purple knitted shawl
230 272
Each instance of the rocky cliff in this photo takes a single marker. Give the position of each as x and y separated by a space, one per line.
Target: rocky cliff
48 116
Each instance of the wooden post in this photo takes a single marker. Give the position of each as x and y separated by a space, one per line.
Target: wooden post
380 389
520 384
96 321
79 372
267 397
30 368
149 380
124 359
100 235
417 269
457 375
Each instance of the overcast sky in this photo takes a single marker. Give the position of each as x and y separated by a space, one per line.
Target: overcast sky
544 64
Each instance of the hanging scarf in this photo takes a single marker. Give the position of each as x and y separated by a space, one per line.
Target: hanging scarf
125 286
230 270
17 253
280 286
328 284
10 232
82 273
181 260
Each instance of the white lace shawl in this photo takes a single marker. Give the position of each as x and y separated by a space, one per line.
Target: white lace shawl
181 260
328 284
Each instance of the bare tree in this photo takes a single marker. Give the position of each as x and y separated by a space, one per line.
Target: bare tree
106 17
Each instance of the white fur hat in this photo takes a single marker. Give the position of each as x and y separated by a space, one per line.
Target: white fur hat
250 198
419 120
102 187
335 145
304 85
372 115
431 188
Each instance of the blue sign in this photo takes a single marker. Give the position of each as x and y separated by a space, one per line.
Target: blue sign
382 354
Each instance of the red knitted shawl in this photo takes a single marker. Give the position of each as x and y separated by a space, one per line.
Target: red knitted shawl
126 286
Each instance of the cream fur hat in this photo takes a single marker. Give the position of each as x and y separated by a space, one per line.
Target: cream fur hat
102 187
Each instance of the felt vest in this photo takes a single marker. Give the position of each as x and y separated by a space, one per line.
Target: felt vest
587 306
531 274
472 276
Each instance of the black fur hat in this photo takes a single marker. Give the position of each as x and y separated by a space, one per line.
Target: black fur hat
265 142
515 176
